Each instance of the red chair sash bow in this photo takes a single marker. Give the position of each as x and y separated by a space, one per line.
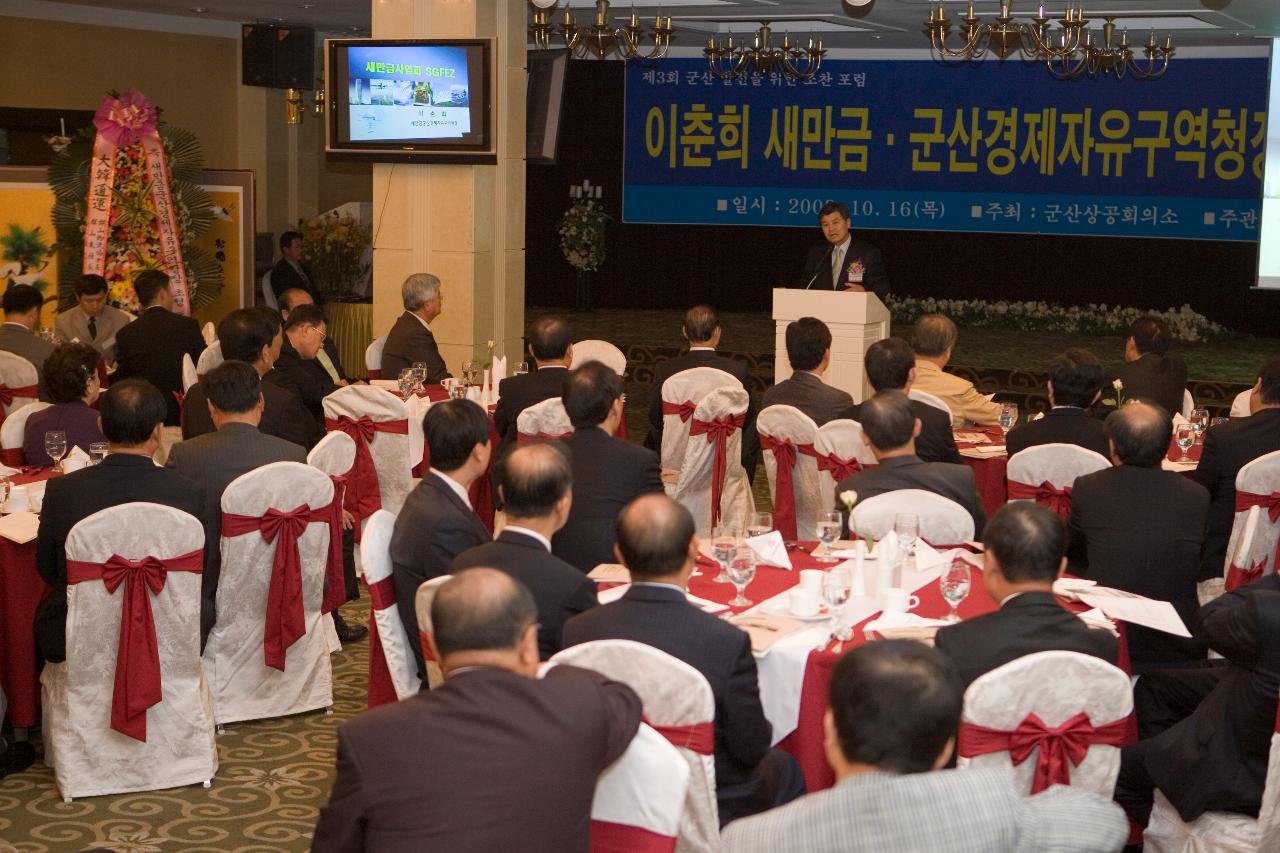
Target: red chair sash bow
382 594
1057 745
1046 494
363 497
685 410
609 837
1240 576
696 737
286 619
8 395
523 437
841 469
717 431
1271 503
137 677
784 499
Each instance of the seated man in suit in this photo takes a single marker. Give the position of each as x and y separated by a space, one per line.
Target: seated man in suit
22 304
328 359
1228 448
840 262
1138 528
891 366
437 522
152 346
1075 384
657 544
496 758
933 338
551 347
253 335
608 472
291 272
1149 373
92 321
535 489
702 330
889 428
893 712
213 460
410 339
132 413
809 351
1216 758
1025 546
304 335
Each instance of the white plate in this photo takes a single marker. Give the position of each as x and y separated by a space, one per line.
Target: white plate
780 608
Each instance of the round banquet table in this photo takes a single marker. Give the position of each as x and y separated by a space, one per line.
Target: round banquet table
21 590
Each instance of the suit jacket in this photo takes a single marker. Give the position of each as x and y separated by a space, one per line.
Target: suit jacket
560 590
1160 379
807 392
1061 425
1228 448
966 404
77 420
433 527
1216 759
608 474
305 377
517 393
118 479
213 460
1031 622
818 262
1139 529
283 414
20 341
489 761
73 324
909 472
151 348
410 341
664 370
936 441
945 811
662 617
284 276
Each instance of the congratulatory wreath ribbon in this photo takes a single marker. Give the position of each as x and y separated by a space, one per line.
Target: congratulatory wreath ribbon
122 121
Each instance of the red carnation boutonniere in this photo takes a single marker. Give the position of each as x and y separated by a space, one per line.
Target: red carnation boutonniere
855 271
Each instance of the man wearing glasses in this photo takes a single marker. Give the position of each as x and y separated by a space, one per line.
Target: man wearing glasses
304 336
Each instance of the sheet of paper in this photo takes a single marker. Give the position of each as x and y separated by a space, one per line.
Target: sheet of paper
766 630
20 527
1095 618
972 438
6 471
1159 615
770 550
610 573
1069 588
986 450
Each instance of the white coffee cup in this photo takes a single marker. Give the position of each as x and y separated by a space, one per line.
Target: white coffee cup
18 500
894 600
473 394
447 383
804 602
69 465
811 580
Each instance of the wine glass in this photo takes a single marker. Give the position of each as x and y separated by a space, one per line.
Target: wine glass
471 372
836 586
760 523
1200 422
828 525
1184 438
522 367
405 379
907 526
955 586
55 444
97 452
742 570
724 542
1008 416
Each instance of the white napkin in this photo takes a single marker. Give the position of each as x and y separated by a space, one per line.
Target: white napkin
1068 588
499 372
77 453
928 557
6 471
20 527
1179 420
887 552
770 550
890 621
1095 618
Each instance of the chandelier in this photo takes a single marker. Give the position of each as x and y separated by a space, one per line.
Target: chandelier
600 39
1069 51
764 58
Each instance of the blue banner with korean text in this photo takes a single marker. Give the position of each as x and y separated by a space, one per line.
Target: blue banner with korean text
912 144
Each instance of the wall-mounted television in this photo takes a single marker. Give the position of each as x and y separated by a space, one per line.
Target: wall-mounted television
421 100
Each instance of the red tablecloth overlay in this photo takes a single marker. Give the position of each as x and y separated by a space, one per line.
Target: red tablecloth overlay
21 589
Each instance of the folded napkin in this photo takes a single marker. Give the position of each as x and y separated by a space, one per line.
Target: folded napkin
6 471
1069 588
770 550
499 373
20 527
1095 618
77 453
765 630
610 573
896 621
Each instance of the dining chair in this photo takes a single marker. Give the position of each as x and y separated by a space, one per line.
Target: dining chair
712 483
1046 473
390 657
601 351
942 520
932 400
545 419
790 460
639 799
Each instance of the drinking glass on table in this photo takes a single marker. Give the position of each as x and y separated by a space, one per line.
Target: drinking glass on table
1184 437
836 586
1200 422
471 372
954 584
1008 416
406 381
907 526
55 444
97 452
521 368
760 523
724 542
829 525
742 570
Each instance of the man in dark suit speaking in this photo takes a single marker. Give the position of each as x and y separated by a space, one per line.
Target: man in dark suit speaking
840 262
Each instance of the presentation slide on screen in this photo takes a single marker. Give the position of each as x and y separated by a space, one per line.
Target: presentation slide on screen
1269 238
408 92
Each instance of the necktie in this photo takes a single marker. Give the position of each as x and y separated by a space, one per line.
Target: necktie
93 328
837 257
327 364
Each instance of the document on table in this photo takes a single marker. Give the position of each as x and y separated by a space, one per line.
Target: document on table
1136 609
20 527
610 573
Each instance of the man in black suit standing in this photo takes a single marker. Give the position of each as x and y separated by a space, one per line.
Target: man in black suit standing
608 472
809 351
216 458
1138 528
891 366
535 488
437 522
657 544
702 330
551 347
496 758
1149 373
132 413
1228 448
152 346
410 339
1075 384
841 262
890 428
1025 546
290 272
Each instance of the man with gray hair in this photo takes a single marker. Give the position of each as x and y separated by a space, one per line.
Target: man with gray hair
410 339
933 337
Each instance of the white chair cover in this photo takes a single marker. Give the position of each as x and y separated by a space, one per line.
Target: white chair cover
190 376
1056 464
687 386
422 608
15 425
210 358
1252 545
209 333
673 694
936 402
88 757
334 455
942 520
787 423
601 351
1055 686
244 687
16 372
373 358
390 451
643 792
1240 405
1188 403
375 556
842 439
269 292
546 419
694 488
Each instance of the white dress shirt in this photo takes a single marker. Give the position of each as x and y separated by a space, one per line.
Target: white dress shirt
455 485
532 534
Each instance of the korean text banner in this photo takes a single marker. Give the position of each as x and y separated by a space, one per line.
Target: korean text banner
989 146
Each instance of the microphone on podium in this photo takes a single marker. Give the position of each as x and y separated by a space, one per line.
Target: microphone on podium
825 258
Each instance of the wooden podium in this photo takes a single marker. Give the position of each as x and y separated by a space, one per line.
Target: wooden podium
856 320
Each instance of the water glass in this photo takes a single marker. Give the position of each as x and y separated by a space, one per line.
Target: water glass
471 372
405 379
828 525
97 452
837 584
55 444
1200 421
760 523
1008 416
419 369
742 570
521 368
907 526
724 542
954 584
1184 437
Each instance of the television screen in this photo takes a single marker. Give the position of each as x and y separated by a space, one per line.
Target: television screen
420 99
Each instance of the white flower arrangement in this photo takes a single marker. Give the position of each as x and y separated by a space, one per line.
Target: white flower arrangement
582 235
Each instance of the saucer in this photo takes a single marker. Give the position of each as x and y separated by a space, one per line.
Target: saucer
782 609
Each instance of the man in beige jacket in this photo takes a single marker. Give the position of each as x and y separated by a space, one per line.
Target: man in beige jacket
934 338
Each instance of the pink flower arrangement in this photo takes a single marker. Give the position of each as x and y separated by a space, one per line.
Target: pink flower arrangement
125 119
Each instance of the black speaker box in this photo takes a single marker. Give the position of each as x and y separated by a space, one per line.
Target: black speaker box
277 57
